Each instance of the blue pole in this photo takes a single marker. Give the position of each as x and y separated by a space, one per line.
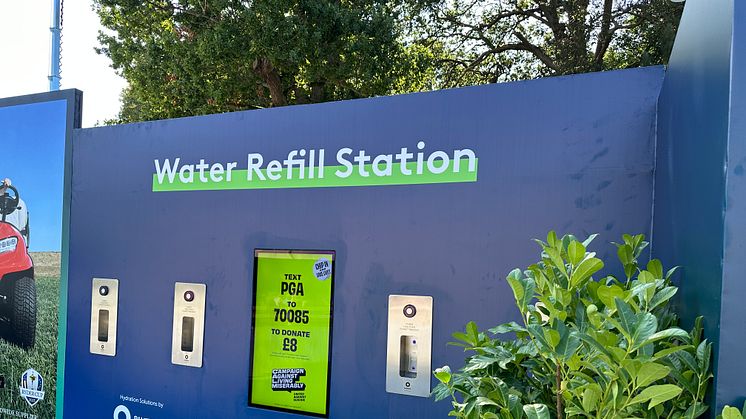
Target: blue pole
56 29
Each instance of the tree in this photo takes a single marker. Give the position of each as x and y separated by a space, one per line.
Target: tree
187 57
191 57
500 40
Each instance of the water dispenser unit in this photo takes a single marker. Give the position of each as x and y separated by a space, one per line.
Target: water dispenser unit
409 345
189 324
104 310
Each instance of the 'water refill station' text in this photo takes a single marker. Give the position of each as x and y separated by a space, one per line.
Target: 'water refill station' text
307 168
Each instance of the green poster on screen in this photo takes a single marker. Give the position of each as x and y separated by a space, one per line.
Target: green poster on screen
291 330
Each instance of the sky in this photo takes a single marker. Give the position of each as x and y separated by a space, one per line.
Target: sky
25 49
37 166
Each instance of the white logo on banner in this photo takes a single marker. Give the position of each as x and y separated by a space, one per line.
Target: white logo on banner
32 386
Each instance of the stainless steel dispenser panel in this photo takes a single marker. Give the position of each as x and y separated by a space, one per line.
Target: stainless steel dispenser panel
104 310
189 324
409 345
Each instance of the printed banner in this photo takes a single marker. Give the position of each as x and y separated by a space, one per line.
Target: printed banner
32 135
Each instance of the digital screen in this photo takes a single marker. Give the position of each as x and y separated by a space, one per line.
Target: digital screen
291 331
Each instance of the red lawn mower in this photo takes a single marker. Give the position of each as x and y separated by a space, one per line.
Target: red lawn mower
17 286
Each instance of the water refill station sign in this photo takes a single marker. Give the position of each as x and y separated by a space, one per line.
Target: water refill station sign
313 261
306 169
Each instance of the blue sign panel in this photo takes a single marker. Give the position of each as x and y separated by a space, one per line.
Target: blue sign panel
479 171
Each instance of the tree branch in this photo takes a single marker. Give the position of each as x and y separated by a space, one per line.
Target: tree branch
538 52
550 11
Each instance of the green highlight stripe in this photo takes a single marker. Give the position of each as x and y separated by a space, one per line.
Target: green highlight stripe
239 178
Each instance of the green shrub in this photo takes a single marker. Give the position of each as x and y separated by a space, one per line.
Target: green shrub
601 348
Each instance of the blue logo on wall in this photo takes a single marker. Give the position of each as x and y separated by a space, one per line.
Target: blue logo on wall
32 386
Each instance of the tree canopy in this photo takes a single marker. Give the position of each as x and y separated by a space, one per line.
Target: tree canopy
488 41
188 57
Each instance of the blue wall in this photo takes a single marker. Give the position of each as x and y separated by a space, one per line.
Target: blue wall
575 154
732 376
699 193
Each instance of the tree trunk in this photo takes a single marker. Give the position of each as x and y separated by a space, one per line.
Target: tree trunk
604 37
268 73
317 92
576 43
